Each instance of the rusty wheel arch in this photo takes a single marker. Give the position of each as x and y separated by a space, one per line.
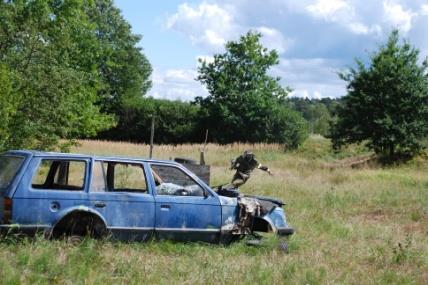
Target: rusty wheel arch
262 225
79 223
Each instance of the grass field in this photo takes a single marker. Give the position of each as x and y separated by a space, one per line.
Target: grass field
354 226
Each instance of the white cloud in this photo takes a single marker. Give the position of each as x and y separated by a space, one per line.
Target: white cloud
208 25
424 9
361 29
315 38
176 84
180 75
397 16
302 93
343 13
330 10
311 78
211 26
273 39
213 38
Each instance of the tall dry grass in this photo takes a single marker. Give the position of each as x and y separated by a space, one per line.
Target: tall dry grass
353 226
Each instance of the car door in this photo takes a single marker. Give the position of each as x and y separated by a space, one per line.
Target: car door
185 209
51 185
120 193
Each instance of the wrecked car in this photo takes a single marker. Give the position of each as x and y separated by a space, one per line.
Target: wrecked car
74 195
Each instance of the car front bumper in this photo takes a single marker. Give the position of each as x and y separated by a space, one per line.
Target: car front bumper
287 231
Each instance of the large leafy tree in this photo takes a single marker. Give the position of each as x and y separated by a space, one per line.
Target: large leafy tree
64 67
387 101
123 68
8 104
47 48
243 99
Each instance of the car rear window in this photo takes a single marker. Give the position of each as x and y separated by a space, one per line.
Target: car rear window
9 166
53 174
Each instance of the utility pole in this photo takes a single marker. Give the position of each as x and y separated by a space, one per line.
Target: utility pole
152 135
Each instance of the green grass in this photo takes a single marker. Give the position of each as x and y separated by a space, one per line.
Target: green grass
354 226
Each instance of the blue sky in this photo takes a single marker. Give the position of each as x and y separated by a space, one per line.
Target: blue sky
315 38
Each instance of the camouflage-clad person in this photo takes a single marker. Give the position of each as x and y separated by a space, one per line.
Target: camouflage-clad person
244 165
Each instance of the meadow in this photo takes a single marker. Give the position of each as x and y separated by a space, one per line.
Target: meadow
366 225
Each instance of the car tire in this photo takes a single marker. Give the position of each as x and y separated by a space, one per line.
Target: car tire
75 240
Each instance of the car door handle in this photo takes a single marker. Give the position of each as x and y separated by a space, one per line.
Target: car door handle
165 207
99 204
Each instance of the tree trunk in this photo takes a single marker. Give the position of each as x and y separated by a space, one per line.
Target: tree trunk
391 150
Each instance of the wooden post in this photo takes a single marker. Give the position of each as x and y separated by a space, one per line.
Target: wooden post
152 135
202 156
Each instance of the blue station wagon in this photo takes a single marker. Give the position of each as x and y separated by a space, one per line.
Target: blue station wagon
62 194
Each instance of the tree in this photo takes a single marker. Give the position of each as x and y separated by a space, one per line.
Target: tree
8 104
387 101
123 69
68 65
47 47
242 95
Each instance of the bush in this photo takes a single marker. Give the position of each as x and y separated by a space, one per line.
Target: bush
288 128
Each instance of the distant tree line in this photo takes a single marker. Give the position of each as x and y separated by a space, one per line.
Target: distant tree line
319 113
175 122
179 122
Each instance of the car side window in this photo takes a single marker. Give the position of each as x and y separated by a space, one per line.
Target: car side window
113 176
55 174
173 181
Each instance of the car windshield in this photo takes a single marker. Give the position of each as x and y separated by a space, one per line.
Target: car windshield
9 166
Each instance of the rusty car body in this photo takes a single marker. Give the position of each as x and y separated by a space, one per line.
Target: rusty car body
125 198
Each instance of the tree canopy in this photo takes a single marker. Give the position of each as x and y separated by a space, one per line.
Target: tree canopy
387 101
64 64
123 69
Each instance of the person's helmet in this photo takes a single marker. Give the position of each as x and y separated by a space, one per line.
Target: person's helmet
248 155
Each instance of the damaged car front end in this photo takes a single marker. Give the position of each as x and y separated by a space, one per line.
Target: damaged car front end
249 215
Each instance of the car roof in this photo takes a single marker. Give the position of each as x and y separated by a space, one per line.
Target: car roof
77 155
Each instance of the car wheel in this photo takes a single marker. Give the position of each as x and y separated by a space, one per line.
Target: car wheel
75 239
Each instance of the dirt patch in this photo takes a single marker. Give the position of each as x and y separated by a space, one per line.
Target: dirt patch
416 227
375 215
354 162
